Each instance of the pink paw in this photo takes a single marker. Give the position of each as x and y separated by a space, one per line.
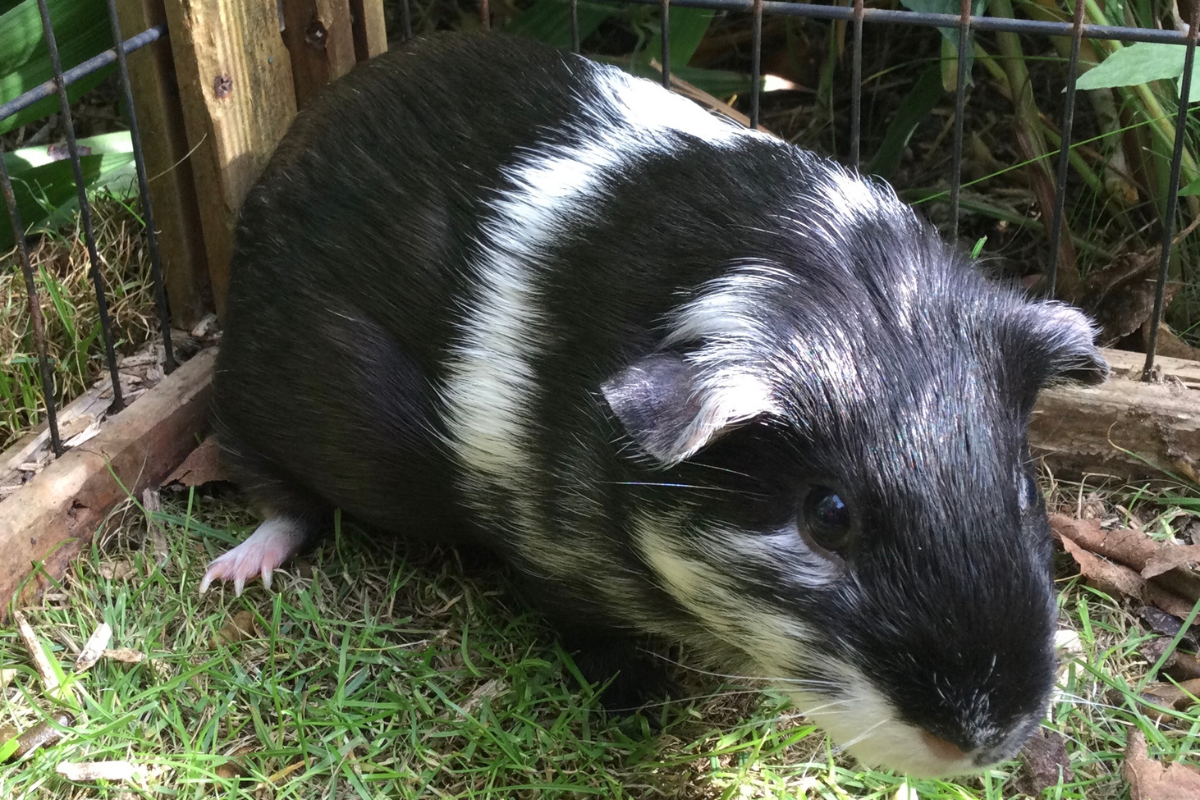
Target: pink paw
271 544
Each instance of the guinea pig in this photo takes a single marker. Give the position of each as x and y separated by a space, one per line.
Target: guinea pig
690 381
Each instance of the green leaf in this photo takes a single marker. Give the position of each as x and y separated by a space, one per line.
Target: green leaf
8 748
1134 65
81 29
912 111
45 187
1191 189
688 27
549 21
950 34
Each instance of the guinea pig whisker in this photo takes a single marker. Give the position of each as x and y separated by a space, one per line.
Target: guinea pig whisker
687 486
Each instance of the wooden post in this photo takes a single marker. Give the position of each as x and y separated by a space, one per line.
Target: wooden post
238 98
370 35
52 517
165 145
320 38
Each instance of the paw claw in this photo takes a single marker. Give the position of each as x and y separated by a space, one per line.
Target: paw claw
274 542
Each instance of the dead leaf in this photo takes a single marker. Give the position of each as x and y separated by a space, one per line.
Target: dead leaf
1045 763
152 504
202 466
36 654
125 655
93 648
1130 547
42 735
489 690
1150 780
1170 557
1110 578
238 628
116 570
100 770
1168 695
1165 624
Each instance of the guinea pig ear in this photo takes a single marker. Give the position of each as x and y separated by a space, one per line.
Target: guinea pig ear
671 414
1066 340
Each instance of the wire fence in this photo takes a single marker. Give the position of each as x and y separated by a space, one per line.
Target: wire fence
856 14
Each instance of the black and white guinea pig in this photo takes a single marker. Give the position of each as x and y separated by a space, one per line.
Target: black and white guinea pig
689 380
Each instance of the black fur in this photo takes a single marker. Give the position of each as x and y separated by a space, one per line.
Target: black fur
897 375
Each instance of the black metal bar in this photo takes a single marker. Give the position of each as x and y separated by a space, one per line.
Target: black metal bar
1064 154
756 65
406 20
97 62
1185 89
856 86
156 273
665 14
960 112
35 309
575 26
886 16
85 211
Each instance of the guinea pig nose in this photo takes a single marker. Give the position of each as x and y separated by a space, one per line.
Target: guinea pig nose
941 748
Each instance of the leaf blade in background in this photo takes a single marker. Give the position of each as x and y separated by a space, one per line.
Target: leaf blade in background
912 111
549 21
45 184
1141 62
81 30
950 34
688 28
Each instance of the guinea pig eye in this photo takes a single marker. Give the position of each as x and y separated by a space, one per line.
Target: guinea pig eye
827 518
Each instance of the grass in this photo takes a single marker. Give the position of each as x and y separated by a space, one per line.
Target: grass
68 304
373 674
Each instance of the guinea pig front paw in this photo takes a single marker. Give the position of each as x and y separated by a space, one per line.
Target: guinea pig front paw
271 544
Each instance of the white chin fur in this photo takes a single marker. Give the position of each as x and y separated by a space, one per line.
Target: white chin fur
865 725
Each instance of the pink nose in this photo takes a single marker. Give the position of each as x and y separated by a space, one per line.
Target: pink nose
941 748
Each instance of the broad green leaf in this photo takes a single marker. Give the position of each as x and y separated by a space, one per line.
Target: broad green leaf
912 111
549 21
1191 188
81 29
688 27
1134 65
45 188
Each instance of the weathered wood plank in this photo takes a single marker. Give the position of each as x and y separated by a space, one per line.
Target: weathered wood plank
370 34
319 35
53 516
1124 429
238 96
165 145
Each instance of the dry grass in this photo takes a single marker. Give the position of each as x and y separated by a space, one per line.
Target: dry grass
68 303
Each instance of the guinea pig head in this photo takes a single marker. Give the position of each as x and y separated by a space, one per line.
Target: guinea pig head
836 486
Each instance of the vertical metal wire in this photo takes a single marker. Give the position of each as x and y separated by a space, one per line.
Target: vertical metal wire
485 15
756 65
1185 89
1064 154
856 87
960 109
406 20
574 26
160 292
665 13
35 309
85 211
